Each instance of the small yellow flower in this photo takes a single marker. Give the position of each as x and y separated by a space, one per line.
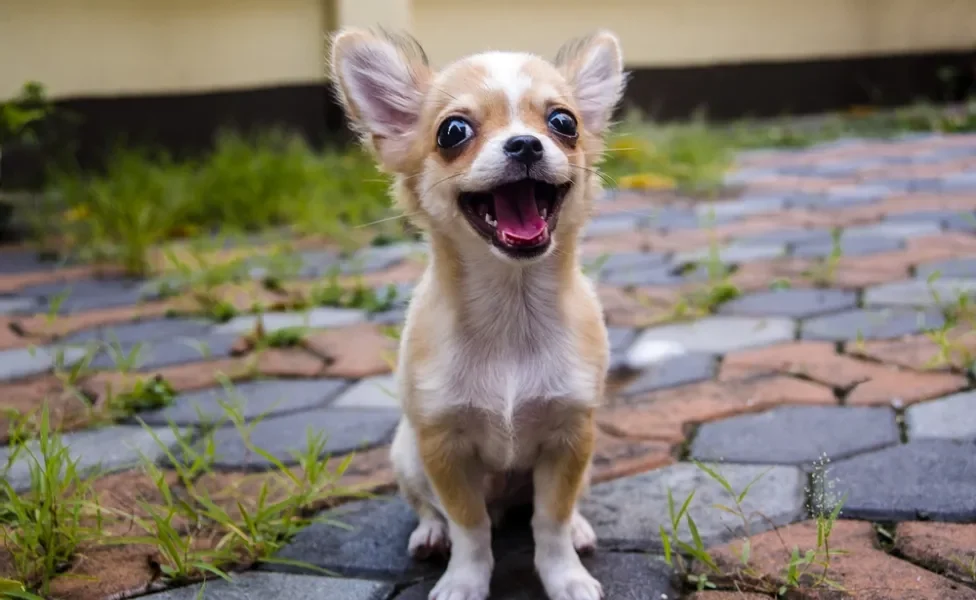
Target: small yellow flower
646 181
77 213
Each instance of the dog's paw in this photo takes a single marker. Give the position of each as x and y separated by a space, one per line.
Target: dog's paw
463 582
428 539
566 582
584 538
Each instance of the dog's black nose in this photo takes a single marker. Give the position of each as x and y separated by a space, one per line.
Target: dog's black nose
526 149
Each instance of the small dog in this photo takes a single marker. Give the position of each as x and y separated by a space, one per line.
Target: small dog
504 352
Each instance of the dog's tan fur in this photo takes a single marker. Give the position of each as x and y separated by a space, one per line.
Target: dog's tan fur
502 362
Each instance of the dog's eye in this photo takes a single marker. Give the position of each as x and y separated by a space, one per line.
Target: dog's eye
562 123
454 132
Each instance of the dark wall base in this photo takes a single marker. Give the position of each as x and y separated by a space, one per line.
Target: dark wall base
184 124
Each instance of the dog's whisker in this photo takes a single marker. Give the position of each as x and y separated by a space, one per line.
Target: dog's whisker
386 220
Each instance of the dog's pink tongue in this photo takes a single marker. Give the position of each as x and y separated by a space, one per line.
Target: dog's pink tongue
518 218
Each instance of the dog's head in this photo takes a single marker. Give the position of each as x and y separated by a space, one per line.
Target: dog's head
496 148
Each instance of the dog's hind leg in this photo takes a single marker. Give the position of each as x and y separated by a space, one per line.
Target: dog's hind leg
430 537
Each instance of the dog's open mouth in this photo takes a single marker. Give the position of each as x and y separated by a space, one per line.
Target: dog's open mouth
519 217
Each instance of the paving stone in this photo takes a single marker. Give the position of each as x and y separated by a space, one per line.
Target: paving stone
735 253
870 324
861 569
353 352
739 177
14 305
952 417
849 246
160 353
101 450
742 207
623 577
378 258
943 218
141 331
317 318
395 316
672 372
87 294
631 261
22 362
654 275
374 392
621 338
857 195
605 225
921 293
16 262
796 435
895 230
317 263
370 543
623 523
281 586
673 219
714 335
920 480
343 429
787 236
961 182
253 399
963 268
793 303
947 548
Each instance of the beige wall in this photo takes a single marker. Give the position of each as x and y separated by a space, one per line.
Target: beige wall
685 32
108 47
111 47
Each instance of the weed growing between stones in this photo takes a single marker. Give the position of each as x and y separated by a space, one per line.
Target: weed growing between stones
954 337
702 571
824 273
331 292
145 394
717 290
42 527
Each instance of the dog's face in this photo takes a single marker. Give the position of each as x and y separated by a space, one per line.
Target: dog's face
496 150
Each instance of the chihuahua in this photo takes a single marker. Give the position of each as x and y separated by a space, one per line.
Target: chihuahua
504 351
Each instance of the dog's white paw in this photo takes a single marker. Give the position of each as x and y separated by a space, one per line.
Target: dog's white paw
463 582
584 538
429 538
570 582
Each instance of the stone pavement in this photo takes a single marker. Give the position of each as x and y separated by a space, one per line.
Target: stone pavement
841 370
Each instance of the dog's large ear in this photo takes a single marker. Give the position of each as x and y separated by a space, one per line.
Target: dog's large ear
594 66
381 79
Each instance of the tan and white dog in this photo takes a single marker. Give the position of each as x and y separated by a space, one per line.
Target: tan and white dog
504 352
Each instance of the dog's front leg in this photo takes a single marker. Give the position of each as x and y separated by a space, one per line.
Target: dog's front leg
457 479
558 479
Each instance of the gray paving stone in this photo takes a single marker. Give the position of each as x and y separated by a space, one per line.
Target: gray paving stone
963 268
316 263
142 331
394 316
372 392
12 305
623 576
746 176
627 513
281 586
870 324
741 207
165 353
786 236
859 194
920 292
849 246
630 261
22 362
621 337
793 303
918 481
796 435
87 294
952 417
371 543
713 335
896 230
962 182
951 219
665 274
95 450
611 224
315 318
377 258
253 399
672 372
25 261
733 253
343 429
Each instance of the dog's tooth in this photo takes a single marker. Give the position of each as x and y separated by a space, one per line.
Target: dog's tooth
544 213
